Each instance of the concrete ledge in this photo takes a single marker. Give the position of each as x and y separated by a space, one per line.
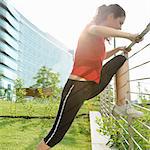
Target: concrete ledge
98 141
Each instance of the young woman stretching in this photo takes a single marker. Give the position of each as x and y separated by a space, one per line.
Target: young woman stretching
89 77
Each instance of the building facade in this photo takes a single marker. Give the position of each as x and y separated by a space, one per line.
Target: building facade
24 49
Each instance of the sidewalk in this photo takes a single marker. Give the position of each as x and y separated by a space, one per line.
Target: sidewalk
98 141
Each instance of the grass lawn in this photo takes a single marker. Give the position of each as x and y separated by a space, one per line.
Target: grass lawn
24 134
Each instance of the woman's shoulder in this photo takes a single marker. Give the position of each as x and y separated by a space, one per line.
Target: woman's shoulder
89 25
86 32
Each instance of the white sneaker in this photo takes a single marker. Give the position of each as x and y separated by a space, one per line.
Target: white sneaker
126 110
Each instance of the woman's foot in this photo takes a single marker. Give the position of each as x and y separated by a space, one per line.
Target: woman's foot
127 110
42 146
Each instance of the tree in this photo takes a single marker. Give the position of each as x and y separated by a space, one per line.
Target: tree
1 87
46 78
19 90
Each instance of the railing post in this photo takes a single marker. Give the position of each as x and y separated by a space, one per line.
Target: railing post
122 82
123 93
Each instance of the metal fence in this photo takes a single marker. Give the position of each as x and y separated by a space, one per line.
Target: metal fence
135 132
131 134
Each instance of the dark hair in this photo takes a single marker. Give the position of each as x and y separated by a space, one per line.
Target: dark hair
103 11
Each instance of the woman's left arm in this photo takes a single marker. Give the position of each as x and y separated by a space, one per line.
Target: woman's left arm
114 51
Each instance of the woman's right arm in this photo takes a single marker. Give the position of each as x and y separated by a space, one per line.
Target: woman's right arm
111 32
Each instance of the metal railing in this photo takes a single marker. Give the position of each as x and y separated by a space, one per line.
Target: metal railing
134 130
131 133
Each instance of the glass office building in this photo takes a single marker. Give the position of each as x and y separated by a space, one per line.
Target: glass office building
24 49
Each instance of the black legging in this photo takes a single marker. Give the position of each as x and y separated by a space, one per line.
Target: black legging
73 96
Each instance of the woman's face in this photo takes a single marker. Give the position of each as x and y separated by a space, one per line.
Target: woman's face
115 23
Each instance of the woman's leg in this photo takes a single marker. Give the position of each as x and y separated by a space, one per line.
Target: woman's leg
72 99
108 71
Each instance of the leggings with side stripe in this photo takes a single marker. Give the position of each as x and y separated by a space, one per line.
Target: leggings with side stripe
73 96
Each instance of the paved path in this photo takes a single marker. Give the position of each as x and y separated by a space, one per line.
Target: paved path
98 141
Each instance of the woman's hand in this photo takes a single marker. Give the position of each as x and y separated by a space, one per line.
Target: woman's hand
122 48
114 51
135 38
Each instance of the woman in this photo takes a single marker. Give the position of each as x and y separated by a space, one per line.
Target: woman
88 77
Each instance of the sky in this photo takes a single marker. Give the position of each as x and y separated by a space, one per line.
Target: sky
65 19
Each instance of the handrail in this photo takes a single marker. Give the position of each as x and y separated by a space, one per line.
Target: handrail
145 31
